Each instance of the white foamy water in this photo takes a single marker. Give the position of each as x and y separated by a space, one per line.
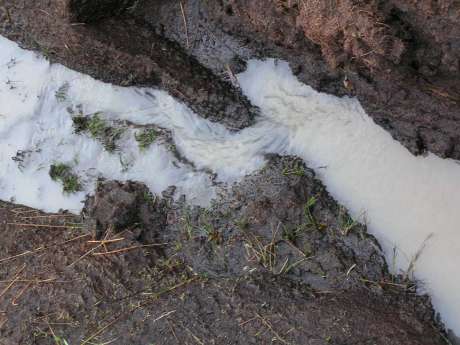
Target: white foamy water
404 198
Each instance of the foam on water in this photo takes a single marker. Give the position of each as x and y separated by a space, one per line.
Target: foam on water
404 199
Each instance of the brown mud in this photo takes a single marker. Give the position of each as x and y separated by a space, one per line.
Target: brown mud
261 265
136 56
273 260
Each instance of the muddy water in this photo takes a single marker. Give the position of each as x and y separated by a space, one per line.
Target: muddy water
408 202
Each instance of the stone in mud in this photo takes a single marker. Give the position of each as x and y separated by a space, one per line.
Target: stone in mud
116 205
87 11
122 205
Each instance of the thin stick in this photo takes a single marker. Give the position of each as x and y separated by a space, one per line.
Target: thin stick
123 250
384 283
120 316
172 331
28 252
198 340
163 315
24 289
46 226
267 324
42 281
16 277
8 15
51 216
185 24
85 255
107 241
247 321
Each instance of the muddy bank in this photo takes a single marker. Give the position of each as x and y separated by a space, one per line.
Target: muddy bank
401 59
125 53
266 262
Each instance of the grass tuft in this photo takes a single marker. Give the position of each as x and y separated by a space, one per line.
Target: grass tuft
61 93
145 138
62 173
98 129
96 126
298 170
80 123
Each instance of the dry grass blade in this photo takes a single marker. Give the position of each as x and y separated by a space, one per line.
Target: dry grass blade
415 258
107 241
46 226
125 314
41 281
185 23
15 299
124 250
39 249
269 326
50 216
162 316
15 279
85 255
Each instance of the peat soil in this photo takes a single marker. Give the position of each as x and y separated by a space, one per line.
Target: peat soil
275 260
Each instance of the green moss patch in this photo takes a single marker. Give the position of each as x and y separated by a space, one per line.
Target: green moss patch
63 173
146 137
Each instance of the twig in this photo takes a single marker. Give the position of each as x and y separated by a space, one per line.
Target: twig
123 250
15 279
163 316
43 281
85 255
417 255
269 326
198 340
28 252
24 289
47 226
122 315
107 241
172 331
51 216
8 15
247 321
185 23
384 283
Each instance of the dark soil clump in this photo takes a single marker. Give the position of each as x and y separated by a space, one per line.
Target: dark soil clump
87 11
